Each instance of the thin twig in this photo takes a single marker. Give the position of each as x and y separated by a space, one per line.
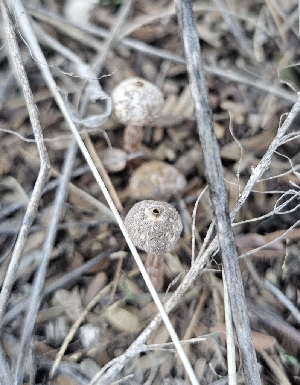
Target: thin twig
235 28
67 279
283 299
40 277
229 336
91 77
44 167
76 325
273 365
113 36
5 375
214 172
78 192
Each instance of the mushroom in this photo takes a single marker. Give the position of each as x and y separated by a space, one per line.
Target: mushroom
114 159
156 179
154 227
136 102
78 11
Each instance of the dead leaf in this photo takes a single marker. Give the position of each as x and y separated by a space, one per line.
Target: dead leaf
122 319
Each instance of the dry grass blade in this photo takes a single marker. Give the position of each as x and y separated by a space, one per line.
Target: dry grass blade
44 168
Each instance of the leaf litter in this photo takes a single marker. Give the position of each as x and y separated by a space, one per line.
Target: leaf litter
244 89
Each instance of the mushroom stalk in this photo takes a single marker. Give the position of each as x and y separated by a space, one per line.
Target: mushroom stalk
133 136
156 269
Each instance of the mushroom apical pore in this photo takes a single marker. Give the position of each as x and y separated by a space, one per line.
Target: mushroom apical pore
154 227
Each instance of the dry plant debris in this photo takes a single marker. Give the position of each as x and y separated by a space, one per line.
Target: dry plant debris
94 321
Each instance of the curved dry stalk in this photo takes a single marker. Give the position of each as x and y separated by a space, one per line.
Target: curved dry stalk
44 167
283 299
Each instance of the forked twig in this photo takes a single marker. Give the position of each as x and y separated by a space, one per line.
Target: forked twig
44 167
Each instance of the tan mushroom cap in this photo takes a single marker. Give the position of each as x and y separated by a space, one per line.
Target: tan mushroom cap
114 159
137 102
156 179
153 226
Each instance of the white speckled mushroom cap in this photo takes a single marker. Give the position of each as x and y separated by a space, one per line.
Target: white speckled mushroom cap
137 102
156 179
153 226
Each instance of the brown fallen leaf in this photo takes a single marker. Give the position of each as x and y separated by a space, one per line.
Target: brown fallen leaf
261 341
122 319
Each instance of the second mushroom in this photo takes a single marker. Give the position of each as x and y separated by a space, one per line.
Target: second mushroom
154 227
136 102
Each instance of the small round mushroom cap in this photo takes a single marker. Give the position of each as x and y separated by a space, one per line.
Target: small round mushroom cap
153 226
137 102
156 179
114 159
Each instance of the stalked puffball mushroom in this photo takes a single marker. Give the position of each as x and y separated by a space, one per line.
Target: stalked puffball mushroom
156 179
154 227
136 103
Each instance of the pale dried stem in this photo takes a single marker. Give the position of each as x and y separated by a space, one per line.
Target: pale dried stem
214 172
235 28
231 361
91 148
76 191
44 167
76 325
78 62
